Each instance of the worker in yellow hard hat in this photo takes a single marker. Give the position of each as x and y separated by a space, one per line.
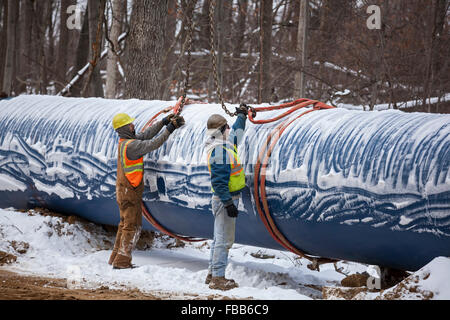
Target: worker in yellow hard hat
121 119
130 185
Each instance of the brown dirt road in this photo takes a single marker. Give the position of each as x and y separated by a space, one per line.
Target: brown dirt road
14 286
18 287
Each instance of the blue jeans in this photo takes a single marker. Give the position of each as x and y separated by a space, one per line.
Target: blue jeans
224 231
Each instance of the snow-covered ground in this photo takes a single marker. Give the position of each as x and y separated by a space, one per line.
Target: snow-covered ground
54 247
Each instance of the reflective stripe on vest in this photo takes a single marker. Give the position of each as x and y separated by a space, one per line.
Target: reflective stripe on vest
133 169
237 176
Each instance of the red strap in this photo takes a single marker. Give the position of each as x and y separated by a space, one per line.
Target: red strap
147 214
259 190
260 171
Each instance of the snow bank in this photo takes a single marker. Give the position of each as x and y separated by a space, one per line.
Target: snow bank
430 282
52 247
58 247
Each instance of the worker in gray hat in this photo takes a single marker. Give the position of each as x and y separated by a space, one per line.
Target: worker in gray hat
227 181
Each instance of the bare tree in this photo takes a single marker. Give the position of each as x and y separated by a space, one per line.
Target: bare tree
96 11
302 39
13 7
259 43
238 37
4 35
113 59
63 41
220 30
145 49
82 53
265 86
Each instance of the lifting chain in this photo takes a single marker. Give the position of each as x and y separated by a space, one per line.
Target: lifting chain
188 44
214 58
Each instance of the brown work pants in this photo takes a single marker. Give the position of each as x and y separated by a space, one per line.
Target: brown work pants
128 234
129 200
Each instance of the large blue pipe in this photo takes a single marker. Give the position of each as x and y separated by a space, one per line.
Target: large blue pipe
372 187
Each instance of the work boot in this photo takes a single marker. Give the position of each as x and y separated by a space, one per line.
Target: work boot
220 283
208 278
132 266
122 262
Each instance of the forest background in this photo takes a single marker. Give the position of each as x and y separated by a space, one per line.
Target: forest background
342 52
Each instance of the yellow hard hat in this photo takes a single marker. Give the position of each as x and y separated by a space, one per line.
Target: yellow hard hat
121 119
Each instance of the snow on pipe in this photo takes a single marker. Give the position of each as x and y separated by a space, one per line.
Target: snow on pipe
371 187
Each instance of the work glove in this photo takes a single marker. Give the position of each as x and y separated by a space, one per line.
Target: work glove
232 211
242 109
167 119
175 123
178 121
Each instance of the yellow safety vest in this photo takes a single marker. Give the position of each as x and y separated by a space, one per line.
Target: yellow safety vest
237 176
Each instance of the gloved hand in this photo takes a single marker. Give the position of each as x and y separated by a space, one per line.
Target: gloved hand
175 123
167 119
232 211
178 121
243 109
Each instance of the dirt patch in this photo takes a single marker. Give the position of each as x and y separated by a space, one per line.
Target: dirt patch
330 293
17 287
175 243
14 286
408 289
20 247
146 240
355 280
6 258
261 255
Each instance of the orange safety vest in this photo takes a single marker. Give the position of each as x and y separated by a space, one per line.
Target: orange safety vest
133 169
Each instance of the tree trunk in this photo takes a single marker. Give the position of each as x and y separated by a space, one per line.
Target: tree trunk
4 35
49 52
24 45
170 61
82 54
61 64
237 49
204 25
299 85
111 68
265 86
1 11
436 20
145 49
95 11
13 6
219 19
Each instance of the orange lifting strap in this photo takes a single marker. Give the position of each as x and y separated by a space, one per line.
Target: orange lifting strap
259 189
